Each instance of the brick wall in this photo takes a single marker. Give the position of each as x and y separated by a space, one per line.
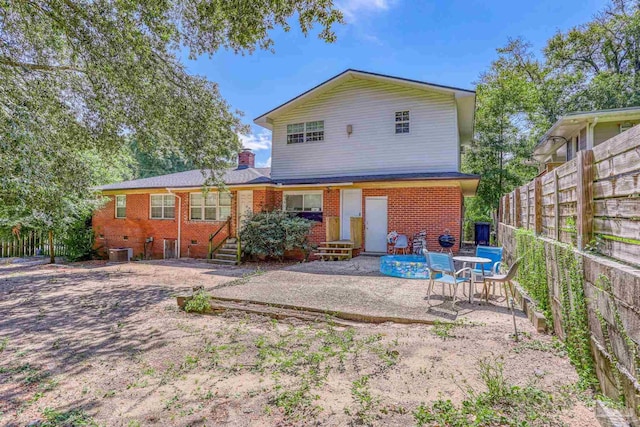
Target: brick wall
132 231
411 210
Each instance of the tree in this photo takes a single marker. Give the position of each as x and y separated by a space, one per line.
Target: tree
604 54
149 164
592 66
79 79
506 95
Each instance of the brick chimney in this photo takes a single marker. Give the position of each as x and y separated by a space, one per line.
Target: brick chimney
246 159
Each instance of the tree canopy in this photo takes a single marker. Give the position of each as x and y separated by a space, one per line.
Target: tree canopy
592 66
80 79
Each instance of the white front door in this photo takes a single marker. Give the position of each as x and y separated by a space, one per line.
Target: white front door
375 234
245 205
351 205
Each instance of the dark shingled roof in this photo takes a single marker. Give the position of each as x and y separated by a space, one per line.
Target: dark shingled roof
194 178
379 177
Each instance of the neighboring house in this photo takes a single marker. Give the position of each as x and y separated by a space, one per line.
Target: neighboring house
581 131
358 145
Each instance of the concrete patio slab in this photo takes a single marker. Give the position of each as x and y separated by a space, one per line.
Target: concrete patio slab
353 286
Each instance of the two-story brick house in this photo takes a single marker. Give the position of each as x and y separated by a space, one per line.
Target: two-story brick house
358 145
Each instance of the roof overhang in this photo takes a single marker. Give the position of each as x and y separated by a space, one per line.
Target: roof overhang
467 183
569 124
465 98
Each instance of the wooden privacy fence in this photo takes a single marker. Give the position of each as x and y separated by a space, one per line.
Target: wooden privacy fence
592 201
30 243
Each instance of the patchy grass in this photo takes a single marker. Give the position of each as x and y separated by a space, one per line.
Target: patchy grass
502 404
555 347
71 418
445 330
124 354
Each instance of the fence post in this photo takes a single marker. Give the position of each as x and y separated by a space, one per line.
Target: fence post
585 175
526 198
507 210
516 207
556 205
537 205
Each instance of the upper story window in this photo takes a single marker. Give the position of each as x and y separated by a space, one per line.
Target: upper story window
402 122
303 201
305 132
163 206
121 206
212 207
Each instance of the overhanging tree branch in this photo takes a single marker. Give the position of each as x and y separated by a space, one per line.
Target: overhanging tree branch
39 67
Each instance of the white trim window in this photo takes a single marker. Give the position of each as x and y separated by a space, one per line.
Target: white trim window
402 122
212 207
163 206
121 206
302 201
305 132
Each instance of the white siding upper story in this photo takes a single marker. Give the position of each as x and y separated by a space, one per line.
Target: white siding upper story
373 147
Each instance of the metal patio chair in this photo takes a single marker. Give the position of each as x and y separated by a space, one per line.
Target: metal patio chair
490 268
504 279
443 271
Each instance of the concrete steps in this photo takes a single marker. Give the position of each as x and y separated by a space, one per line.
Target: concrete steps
227 254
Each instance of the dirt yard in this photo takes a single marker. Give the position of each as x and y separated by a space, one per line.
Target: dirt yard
96 344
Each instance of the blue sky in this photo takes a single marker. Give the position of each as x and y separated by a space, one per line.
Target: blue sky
448 42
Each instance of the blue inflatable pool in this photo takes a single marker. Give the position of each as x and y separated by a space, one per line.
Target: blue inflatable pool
407 266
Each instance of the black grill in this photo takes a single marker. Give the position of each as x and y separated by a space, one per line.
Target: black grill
446 240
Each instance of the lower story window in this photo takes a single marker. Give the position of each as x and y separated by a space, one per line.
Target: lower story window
307 201
163 206
121 206
212 207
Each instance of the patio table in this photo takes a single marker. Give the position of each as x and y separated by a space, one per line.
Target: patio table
473 260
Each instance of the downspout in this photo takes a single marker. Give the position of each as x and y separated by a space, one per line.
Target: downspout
590 133
179 217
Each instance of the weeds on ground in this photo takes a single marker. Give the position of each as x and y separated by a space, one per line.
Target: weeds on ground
365 403
555 347
502 404
74 417
3 344
299 360
445 330
200 302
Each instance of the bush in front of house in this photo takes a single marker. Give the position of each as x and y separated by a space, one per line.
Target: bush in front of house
271 234
78 241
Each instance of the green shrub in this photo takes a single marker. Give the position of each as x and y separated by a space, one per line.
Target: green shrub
200 302
79 242
271 234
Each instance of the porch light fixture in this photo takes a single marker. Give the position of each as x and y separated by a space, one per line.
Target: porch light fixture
555 138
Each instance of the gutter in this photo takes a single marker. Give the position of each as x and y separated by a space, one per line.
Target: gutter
170 191
328 184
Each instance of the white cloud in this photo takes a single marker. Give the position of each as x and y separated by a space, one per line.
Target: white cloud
256 142
352 8
265 164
